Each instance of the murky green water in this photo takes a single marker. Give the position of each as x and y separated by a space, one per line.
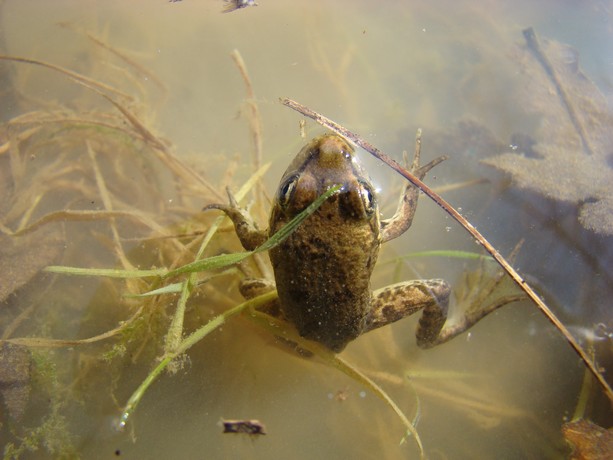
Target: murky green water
135 175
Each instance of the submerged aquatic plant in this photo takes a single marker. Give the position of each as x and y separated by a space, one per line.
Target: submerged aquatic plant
147 322
73 177
101 142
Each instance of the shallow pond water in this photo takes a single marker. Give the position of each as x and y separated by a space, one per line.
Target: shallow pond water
111 167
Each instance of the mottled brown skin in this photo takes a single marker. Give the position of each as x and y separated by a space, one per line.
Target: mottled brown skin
323 269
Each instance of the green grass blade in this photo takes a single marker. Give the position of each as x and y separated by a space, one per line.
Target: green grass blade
447 253
108 272
173 288
210 263
288 228
224 260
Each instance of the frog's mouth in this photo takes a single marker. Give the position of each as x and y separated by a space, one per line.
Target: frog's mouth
356 199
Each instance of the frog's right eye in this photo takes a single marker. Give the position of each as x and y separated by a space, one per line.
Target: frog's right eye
286 190
368 197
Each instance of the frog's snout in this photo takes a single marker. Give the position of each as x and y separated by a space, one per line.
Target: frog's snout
334 152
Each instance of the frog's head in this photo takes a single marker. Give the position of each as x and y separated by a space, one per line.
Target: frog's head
326 161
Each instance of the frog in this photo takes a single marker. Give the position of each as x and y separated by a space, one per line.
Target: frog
323 270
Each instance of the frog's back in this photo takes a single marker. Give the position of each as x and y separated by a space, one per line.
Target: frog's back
323 269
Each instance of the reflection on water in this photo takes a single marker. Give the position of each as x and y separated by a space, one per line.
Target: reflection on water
118 181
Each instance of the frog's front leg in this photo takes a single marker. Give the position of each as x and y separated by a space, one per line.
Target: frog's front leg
246 229
397 301
403 217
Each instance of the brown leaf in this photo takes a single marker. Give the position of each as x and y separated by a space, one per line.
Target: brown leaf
571 159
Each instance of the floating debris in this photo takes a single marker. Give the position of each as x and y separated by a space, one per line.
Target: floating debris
233 5
588 440
250 427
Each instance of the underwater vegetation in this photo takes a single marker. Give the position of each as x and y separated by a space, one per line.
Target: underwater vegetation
114 284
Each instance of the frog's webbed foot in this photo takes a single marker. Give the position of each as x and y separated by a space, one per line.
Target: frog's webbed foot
253 287
246 229
403 299
471 317
403 217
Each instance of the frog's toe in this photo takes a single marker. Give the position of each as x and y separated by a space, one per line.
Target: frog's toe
421 172
253 287
221 207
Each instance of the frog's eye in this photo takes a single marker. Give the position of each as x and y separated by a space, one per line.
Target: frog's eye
368 197
286 190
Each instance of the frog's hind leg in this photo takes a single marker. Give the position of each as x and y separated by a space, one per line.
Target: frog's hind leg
403 299
253 287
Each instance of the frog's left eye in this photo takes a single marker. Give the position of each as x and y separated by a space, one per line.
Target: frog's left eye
368 197
286 191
